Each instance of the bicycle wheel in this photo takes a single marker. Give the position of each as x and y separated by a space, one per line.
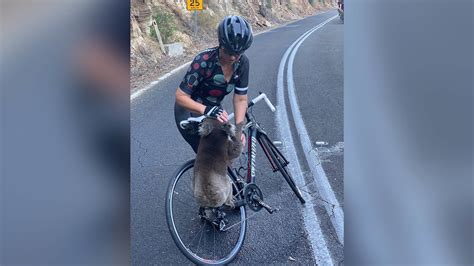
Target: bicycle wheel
278 159
198 239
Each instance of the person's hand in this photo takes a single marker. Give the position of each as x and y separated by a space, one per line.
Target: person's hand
223 118
217 113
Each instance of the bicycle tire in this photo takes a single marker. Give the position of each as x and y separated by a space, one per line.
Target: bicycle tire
178 236
273 151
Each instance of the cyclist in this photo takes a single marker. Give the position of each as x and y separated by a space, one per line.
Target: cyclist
340 8
340 5
214 73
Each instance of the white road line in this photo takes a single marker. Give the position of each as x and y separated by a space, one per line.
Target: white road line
324 188
311 221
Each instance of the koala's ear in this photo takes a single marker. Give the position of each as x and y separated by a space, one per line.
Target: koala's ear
206 128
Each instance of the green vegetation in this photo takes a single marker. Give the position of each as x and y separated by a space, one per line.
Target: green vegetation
206 21
166 25
269 4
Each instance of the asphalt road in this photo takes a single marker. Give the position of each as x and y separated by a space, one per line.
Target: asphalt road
158 150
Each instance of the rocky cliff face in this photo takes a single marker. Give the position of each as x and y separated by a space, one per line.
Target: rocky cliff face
197 32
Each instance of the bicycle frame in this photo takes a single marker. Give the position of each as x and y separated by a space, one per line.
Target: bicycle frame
256 134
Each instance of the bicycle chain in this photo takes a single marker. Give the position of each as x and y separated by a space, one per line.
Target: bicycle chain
250 216
255 213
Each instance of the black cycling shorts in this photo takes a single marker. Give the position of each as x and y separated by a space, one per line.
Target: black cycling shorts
190 135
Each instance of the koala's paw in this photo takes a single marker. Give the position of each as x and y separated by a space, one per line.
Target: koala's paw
230 203
235 150
239 126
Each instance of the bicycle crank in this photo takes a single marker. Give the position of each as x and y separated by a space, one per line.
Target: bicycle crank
254 199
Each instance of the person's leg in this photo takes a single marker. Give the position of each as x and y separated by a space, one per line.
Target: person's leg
191 139
190 136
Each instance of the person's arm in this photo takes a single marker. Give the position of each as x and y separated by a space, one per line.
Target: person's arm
188 85
184 100
240 107
240 92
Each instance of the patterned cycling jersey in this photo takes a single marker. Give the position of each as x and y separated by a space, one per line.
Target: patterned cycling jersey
205 80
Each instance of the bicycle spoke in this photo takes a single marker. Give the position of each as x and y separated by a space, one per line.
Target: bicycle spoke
185 203
185 196
214 251
183 190
192 240
226 229
186 187
200 238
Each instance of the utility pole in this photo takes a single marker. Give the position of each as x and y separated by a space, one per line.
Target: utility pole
158 36
195 22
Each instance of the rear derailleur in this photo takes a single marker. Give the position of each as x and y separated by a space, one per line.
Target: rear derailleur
215 216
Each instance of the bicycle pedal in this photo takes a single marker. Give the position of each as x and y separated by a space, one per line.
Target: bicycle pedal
222 225
220 215
266 206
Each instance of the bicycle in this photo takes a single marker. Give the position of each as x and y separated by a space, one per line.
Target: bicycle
190 227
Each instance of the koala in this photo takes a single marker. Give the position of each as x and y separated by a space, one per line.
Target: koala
218 146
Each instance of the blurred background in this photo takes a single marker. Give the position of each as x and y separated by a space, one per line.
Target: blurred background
408 92
65 132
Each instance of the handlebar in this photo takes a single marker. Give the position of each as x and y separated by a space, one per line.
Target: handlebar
255 100
259 98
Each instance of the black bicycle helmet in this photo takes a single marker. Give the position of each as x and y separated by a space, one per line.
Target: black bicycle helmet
235 34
